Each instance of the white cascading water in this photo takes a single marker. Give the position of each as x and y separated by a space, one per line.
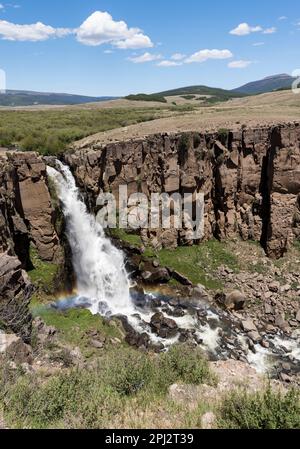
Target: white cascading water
99 266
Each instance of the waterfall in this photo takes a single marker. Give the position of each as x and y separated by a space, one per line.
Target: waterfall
103 285
99 266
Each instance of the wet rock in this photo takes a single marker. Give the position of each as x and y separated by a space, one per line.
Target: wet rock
138 340
158 276
254 336
249 326
177 312
163 327
155 303
174 302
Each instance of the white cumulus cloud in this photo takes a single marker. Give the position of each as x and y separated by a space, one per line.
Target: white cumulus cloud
33 33
146 57
204 55
167 63
100 28
178 57
241 64
243 29
271 30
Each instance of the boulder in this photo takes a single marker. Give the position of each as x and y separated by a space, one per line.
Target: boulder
163 327
14 348
249 326
183 280
156 276
234 300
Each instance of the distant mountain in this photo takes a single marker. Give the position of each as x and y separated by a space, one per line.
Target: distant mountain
269 84
216 94
28 98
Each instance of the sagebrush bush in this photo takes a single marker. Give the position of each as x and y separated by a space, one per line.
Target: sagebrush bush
266 410
91 398
128 371
186 365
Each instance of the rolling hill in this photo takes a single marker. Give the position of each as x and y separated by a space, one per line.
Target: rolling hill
214 94
27 98
269 84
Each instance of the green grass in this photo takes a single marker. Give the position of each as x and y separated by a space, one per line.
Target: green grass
198 263
264 410
121 234
297 245
73 325
43 274
50 132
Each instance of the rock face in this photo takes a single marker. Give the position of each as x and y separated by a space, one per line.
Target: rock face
250 180
26 214
26 218
15 293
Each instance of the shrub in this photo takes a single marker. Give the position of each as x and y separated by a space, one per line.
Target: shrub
196 140
185 364
73 397
223 134
183 147
267 410
128 371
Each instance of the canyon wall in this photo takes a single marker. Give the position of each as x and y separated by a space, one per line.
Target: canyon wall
250 179
26 220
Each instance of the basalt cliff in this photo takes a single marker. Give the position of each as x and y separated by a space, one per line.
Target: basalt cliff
250 179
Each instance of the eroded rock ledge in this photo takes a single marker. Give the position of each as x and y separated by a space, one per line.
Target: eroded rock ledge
26 220
250 178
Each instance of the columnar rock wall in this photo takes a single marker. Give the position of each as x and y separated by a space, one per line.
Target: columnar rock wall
26 214
26 218
250 179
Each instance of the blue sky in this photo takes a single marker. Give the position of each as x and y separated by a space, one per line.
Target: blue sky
116 47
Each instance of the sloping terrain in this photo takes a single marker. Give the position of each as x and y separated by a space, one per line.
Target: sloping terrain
268 84
27 98
252 111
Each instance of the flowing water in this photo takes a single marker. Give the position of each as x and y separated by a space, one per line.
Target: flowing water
103 286
99 266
